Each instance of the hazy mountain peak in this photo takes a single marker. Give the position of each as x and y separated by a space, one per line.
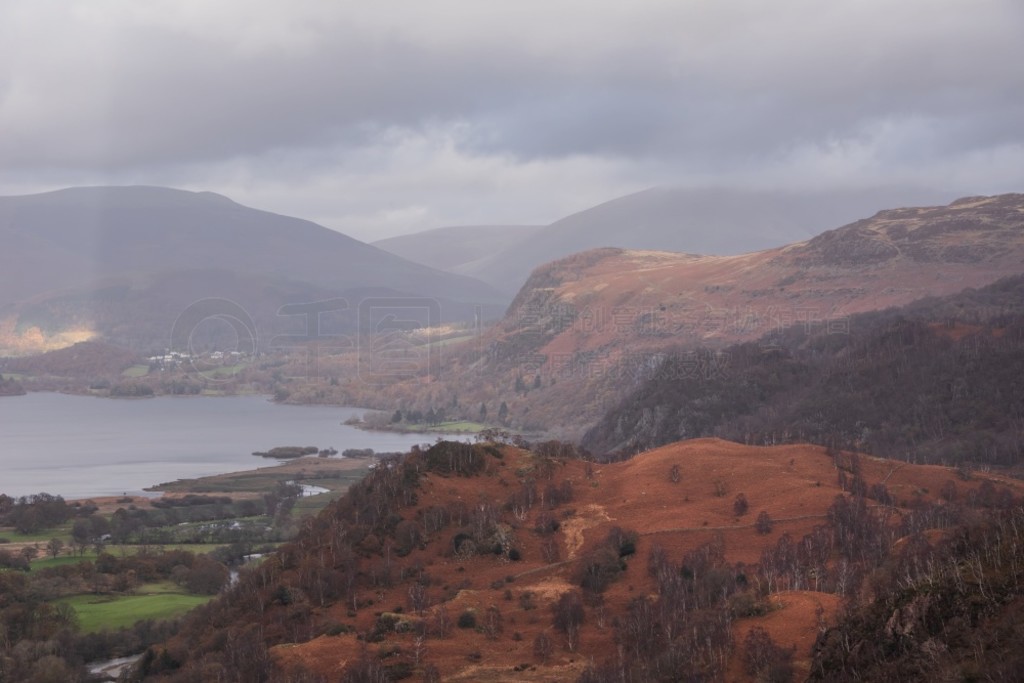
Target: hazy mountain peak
127 195
457 248
711 220
63 244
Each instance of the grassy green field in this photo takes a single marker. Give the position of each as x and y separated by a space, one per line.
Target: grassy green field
459 427
44 561
61 560
197 548
139 370
311 505
220 483
463 427
452 340
338 484
63 532
226 370
152 601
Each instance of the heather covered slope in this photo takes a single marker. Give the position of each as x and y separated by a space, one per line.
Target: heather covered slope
490 562
610 297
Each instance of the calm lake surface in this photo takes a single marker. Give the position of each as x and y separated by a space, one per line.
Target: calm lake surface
81 446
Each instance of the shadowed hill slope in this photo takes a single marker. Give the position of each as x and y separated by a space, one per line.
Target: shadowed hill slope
935 381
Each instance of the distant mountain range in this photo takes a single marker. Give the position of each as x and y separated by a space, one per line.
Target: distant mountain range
710 221
124 262
458 249
588 328
891 259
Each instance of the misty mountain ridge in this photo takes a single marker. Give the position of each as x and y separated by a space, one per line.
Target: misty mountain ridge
151 229
457 248
709 221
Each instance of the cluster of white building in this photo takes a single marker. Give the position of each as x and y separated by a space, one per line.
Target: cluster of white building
175 358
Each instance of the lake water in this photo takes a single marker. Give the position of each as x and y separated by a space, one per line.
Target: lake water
81 446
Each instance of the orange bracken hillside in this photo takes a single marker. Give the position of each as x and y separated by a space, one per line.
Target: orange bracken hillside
617 296
794 484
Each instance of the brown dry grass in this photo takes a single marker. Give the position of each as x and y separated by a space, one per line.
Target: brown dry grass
795 621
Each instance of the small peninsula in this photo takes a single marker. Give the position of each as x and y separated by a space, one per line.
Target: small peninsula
10 387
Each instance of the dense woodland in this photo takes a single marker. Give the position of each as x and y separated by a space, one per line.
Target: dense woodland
934 382
948 611
164 523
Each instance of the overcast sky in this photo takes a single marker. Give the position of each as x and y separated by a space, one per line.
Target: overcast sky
381 118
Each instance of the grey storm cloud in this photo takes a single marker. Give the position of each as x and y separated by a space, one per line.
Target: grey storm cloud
656 91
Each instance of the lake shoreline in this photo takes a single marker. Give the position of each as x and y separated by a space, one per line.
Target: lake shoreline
103 448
